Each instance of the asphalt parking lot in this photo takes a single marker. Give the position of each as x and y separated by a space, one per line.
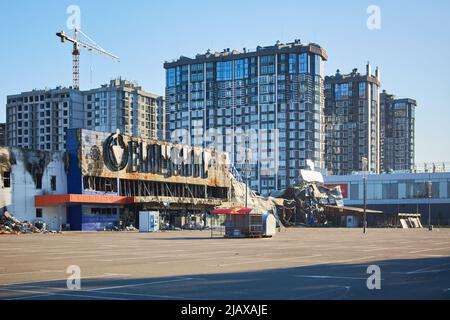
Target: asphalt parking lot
296 264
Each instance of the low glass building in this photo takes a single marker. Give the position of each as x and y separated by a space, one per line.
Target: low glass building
400 193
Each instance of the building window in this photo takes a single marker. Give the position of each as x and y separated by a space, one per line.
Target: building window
171 77
241 69
435 189
224 71
269 69
53 183
318 65
390 190
416 190
354 191
303 63
292 62
39 213
362 89
341 91
38 181
104 211
6 179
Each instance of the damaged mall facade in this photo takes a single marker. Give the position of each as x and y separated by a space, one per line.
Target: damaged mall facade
25 174
104 178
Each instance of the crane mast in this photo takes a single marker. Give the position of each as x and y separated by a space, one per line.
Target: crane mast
76 64
77 44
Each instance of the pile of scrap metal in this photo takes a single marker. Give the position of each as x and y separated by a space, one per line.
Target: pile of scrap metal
307 203
11 225
238 198
112 227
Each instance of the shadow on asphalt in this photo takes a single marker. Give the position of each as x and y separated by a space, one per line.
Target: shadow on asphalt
401 279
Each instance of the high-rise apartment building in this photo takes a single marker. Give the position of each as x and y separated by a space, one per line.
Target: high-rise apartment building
352 121
397 137
274 91
2 134
125 106
39 119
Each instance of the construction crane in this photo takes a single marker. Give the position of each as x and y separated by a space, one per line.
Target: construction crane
77 44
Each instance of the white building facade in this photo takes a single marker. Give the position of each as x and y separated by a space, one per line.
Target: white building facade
25 174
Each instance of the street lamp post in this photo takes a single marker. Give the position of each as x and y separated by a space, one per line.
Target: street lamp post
430 195
364 167
246 171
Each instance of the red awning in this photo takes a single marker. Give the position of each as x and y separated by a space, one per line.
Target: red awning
232 211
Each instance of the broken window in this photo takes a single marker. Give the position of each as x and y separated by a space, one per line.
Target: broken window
38 181
53 183
6 179
104 211
38 212
100 184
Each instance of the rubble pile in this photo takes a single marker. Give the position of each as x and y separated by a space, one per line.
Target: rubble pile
306 203
11 225
112 227
258 203
130 228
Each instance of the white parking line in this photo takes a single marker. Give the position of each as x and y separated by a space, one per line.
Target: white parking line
105 275
152 295
142 284
329 277
29 297
419 251
62 291
266 260
332 289
433 255
381 249
92 255
425 250
31 272
354 259
43 294
427 269
131 258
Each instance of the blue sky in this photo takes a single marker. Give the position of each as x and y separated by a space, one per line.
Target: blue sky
412 48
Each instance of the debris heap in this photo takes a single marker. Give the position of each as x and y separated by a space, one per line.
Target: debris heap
307 203
11 225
